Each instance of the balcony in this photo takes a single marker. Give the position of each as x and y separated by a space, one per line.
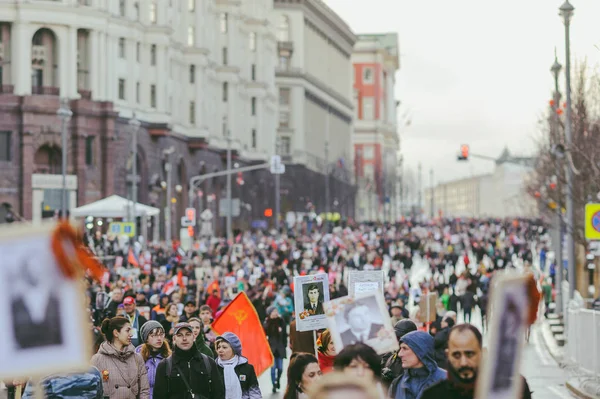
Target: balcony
7 89
45 90
85 94
286 47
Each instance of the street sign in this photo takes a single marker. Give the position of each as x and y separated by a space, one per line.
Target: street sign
592 221
224 207
206 229
277 168
185 222
122 228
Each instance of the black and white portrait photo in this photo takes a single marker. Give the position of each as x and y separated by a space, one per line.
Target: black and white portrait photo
310 294
313 298
364 319
45 323
35 310
500 377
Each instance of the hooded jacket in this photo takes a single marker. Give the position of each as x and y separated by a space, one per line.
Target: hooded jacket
124 375
412 383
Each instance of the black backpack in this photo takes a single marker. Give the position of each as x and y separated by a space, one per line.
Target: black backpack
207 365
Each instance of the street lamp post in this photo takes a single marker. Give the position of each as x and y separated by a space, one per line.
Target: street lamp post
134 124
566 11
228 183
555 69
64 113
168 226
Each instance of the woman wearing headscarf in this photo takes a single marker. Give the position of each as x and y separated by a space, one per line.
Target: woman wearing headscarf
239 375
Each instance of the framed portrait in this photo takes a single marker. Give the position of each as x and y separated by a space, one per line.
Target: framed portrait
508 310
361 319
361 283
45 326
310 294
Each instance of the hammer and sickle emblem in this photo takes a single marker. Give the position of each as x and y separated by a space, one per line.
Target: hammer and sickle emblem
240 316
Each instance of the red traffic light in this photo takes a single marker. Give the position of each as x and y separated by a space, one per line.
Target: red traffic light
464 153
268 212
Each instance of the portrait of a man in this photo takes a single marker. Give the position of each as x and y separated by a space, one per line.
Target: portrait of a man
35 306
361 327
313 301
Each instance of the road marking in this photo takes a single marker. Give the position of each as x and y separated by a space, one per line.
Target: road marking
560 394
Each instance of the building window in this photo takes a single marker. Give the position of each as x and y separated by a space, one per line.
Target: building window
192 113
225 91
285 145
223 22
191 36
368 152
89 150
5 146
137 92
192 73
122 8
153 13
192 5
137 51
284 96
284 119
253 72
253 106
122 47
368 111
153 54
136 7
283 29
225 56
121 89
253 138
153 96
367 75
252 41
368 171
284 61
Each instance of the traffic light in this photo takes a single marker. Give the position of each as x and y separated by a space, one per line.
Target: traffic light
240 179
268 212
464 153
190 213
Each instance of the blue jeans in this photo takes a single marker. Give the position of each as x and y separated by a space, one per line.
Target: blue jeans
277 365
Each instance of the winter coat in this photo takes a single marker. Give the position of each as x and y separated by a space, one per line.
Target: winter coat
196 375
325 362
127 375
247 376
412 383
151 365
275 331
86 385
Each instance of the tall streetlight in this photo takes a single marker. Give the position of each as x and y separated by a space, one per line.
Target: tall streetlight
64 113
566 12
555 69
134 124
228 182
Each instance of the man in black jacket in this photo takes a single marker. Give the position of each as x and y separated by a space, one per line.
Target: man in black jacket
464 356
190 371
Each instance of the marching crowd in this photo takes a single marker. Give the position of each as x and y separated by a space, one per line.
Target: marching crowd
152 316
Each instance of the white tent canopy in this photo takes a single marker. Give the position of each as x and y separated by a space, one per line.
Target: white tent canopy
113 207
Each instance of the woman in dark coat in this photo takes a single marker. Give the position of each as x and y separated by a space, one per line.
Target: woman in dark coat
275 331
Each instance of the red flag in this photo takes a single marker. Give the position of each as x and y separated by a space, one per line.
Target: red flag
131 259
240 318
180 279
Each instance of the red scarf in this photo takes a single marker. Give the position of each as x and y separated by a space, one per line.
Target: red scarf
325 362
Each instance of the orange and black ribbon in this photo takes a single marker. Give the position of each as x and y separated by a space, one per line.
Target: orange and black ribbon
73 258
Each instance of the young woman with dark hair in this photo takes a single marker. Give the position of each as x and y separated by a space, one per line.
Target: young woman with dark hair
303 371
124 375
154 349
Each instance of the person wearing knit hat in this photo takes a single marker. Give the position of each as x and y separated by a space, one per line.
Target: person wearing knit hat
239 375
153 349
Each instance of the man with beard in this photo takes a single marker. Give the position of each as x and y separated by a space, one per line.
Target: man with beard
464 354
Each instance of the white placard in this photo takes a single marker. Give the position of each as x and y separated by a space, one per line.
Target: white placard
310 293
364 282
43 316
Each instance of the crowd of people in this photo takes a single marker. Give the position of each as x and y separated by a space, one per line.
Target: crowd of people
152 315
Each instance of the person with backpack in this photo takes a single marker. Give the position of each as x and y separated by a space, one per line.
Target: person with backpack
187 373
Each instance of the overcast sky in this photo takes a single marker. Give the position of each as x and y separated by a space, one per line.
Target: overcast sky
473 71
